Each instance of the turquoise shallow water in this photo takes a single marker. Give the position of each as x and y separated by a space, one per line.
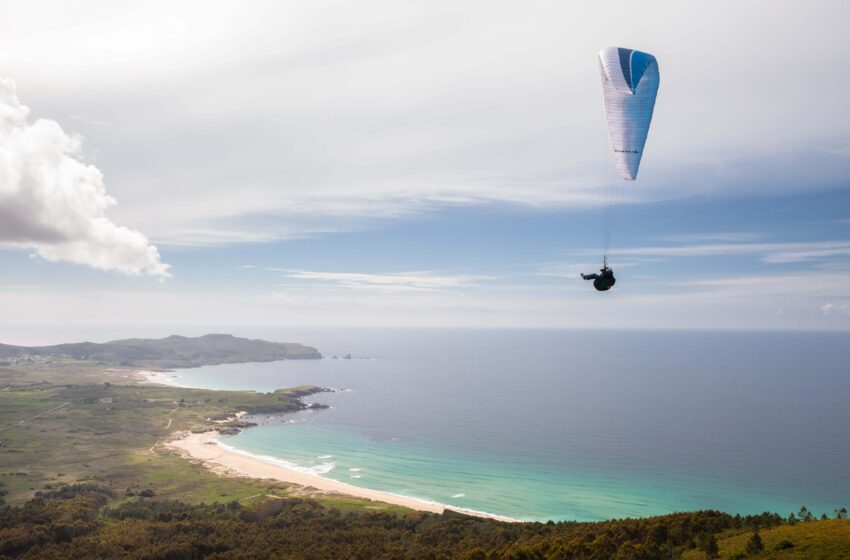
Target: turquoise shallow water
503 484
566 425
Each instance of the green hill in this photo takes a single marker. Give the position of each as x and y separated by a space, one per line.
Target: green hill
171 352
812 540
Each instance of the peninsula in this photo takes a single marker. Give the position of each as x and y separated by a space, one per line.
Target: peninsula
170 352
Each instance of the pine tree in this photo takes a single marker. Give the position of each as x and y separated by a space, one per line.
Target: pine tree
708 544
754 545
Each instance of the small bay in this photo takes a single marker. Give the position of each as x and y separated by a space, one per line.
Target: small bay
556 424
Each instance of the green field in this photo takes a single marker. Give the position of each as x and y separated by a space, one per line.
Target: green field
67 422
813 540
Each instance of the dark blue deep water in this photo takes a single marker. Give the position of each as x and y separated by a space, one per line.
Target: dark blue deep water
557 424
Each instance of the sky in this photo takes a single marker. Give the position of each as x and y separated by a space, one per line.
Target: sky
171 167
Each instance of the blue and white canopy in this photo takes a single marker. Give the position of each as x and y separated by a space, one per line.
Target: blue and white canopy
629 85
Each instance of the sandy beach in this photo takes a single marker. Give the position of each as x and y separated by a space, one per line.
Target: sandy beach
205 447
157 378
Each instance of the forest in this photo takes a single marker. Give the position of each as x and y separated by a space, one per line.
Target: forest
74 521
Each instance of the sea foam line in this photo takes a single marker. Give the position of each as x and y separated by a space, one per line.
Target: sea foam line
317 472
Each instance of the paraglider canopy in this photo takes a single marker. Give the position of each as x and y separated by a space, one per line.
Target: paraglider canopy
629 85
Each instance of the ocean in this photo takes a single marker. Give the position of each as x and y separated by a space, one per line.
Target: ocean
565 425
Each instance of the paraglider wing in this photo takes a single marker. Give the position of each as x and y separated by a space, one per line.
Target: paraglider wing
629 85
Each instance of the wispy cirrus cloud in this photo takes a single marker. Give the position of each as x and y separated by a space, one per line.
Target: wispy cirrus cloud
333 117
772 253
421 281
814 284
713 237
835 309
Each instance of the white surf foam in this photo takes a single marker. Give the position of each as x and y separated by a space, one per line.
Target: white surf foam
316 470
325 468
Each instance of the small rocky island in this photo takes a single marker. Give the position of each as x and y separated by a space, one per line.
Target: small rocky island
164 353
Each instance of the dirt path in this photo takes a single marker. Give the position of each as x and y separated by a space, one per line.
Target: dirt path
152 449
54 409
266 495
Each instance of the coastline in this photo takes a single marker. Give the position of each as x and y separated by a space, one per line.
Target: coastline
149 377
226 461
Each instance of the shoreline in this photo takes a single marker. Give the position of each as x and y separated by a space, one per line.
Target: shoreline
227 461
150 377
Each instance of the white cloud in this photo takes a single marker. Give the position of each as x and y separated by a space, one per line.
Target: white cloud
261 120
773 253
394 282
54 204
793 286
719 236
729 303
833 309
